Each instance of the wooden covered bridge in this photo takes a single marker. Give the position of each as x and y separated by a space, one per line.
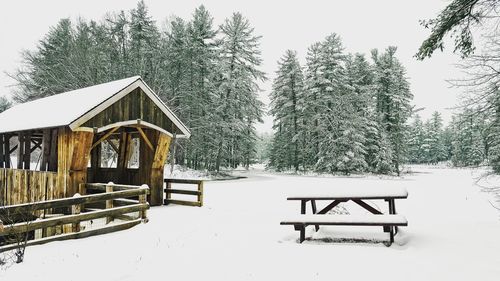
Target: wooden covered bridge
114 132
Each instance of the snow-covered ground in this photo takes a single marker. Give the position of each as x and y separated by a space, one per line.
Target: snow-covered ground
453 234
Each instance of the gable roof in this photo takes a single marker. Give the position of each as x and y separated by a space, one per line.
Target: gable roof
75 107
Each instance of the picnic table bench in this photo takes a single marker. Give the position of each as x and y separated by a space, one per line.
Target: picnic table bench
389 222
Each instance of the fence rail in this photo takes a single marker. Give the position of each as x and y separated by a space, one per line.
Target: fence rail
117 205
198 193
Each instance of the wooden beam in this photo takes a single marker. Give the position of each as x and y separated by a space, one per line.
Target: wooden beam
23 227
53 155
330 206
59 203
182 202
182 191
143 135
183 181
103 138
2 154
45 150
27 150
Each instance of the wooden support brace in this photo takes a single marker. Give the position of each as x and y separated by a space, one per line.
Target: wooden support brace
143 135
103 138
330 206
13 149
113 146
38 144
366 206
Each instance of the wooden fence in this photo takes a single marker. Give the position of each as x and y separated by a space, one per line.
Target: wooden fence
24 186
198 193
74 211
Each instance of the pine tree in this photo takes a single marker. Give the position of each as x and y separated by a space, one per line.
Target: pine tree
311 107
46 70
437 151
493 138
201 55
416 141
393 98
240 107
117 30
384 159
144 44
285 97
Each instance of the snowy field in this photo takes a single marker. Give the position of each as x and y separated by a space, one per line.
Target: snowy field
453 234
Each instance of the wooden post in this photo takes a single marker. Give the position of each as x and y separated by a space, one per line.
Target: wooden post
314 211
2 154
143 199
168 186
172 160
109 203
6 150
75 210
200 195
81 189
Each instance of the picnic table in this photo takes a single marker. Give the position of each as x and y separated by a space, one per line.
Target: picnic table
358 195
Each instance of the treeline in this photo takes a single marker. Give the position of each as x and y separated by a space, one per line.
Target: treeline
207 74
429 142
470 140
341 112
475 138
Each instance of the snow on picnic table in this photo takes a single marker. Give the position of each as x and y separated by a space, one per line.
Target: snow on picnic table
453 234
347 191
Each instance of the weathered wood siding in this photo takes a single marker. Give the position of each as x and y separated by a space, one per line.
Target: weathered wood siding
24 186
152 163
135 105
73 157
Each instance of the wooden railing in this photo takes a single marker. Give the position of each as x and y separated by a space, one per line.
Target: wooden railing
198 193
73 211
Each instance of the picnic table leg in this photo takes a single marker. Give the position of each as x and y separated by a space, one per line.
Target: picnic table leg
391 233
303 206
392 211
314 211
302 229
386 228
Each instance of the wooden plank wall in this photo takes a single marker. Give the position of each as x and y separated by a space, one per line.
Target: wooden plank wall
24 186
135 105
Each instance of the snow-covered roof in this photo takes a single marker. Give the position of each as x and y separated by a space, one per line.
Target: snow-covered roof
73 107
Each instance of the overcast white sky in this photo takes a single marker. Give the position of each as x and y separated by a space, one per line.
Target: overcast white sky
362 25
